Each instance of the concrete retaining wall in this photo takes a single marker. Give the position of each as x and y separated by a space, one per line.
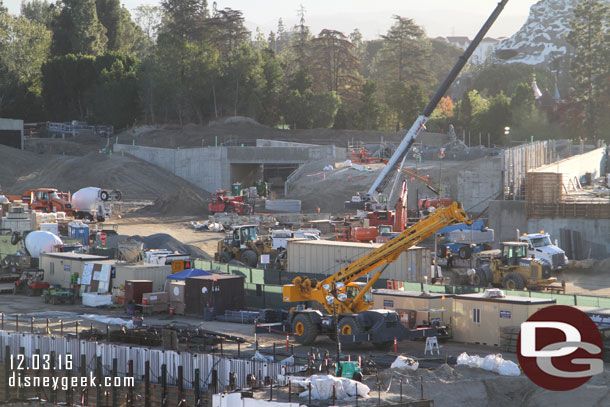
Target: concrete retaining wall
11 133
210 167
505 217
594 234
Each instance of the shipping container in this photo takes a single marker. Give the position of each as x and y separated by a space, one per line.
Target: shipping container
216 293
153 272
327 257
135 289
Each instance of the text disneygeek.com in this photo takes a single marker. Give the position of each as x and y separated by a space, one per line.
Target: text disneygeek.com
39 363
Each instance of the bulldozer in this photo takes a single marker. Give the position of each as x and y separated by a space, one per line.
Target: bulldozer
242 243
513 270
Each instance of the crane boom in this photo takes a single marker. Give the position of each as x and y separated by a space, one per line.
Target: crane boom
420 123
302 289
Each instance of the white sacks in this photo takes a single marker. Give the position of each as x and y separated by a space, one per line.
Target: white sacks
403 362
492 363
322 388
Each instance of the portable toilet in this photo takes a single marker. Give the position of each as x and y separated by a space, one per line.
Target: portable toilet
79 230
236 189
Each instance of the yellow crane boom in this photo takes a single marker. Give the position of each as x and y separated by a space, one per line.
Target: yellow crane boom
302 290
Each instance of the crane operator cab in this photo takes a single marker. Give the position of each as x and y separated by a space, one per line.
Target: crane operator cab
353 289
243 234
512 252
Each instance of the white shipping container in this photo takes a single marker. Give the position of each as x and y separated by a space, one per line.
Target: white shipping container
327 257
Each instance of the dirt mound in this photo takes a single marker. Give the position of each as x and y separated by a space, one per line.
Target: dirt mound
157 241
137 179
183 201
446 373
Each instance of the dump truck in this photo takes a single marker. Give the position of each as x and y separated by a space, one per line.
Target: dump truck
347 304
539 245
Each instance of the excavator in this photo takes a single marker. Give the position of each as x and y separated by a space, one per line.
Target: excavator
347 305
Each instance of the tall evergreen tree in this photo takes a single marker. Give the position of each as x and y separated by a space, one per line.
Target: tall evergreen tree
590 65
78 30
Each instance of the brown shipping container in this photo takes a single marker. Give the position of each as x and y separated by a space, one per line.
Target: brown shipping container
135 288
327 257
222 292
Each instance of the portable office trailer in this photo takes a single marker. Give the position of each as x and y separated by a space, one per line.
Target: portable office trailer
416 308
478 319
219 292
59 267
327 257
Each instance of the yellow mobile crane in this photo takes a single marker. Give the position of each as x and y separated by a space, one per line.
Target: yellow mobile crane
348 304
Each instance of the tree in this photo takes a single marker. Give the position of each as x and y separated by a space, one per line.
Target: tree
24 47
227 32
273 79
77 29
185 18
470 106
487 81
335 67
40 11
407 103
404 54
301 41
370 108
149 19
123 34
589 70
493 119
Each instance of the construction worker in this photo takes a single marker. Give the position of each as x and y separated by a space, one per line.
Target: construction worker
449 256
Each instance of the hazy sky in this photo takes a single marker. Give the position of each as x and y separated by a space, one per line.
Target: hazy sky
438 17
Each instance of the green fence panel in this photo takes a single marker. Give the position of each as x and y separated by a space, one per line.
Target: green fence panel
587 301
224 268
258 276
564 299
604 302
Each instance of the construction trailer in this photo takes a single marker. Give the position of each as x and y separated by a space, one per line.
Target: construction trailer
60 267
478 318
416 308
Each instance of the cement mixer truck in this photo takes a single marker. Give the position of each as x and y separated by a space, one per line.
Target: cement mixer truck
32 246
94 203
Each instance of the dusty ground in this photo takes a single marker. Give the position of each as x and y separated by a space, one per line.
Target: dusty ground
176 227
447 385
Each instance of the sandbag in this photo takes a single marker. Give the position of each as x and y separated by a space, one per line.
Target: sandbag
403 362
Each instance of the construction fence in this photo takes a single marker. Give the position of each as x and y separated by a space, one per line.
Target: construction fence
184 370
263 288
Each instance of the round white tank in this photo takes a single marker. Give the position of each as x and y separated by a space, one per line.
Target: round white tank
3 199
86 199
41 242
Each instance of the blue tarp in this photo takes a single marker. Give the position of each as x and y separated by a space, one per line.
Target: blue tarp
184 274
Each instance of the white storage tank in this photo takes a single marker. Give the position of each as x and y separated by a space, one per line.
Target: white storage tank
41 242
